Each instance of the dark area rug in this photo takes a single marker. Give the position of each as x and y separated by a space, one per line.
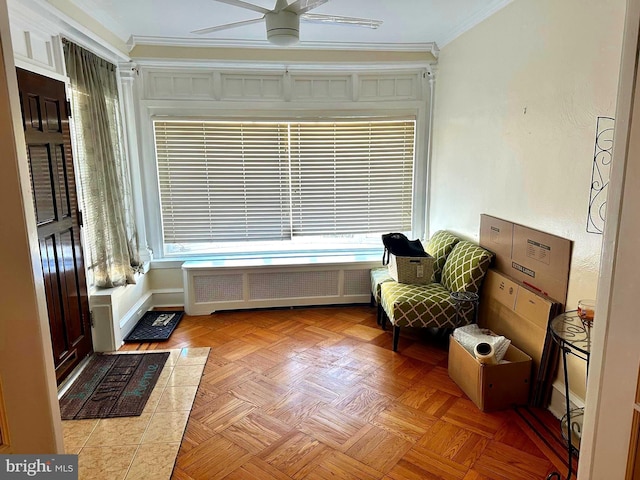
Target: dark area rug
155 326
113 386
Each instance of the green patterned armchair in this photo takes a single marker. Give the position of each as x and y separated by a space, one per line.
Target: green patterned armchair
431 305
439 246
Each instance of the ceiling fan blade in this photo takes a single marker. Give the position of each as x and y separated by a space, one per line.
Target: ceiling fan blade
227 26
241 4
302 6
339 20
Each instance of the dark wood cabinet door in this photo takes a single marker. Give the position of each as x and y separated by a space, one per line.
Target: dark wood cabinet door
46 126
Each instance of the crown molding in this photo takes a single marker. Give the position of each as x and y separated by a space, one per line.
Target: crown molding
279 67
472 21
49 19
134 40
95 10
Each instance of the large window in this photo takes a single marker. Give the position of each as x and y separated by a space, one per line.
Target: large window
283 185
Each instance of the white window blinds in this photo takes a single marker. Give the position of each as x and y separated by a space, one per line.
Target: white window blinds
223 181
226 181
351 177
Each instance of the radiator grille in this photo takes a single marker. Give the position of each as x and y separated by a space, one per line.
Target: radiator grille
357 282
217 288
264 286
208 289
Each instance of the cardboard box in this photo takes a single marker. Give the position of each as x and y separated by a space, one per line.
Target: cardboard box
496 235
532 257
414 270
491 387
517 312
522 314
542 261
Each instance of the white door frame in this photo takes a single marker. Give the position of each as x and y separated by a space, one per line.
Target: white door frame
28 392
615 349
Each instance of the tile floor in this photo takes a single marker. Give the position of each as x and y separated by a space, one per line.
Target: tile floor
141 447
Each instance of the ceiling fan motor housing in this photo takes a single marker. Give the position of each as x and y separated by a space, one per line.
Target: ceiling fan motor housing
283 27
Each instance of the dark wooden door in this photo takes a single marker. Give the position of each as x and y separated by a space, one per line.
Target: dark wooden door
46 126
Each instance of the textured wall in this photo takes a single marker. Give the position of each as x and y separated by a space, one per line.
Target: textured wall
516 104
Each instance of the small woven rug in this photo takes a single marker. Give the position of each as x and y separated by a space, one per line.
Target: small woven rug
113 386
155 326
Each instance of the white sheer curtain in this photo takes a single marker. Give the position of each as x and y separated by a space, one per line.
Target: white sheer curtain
111 243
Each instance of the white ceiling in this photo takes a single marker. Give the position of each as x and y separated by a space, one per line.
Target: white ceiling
407 24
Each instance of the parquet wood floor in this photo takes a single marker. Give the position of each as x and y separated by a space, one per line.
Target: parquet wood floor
317 393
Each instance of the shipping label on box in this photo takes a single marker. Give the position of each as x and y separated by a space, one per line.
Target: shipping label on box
413 270
541 260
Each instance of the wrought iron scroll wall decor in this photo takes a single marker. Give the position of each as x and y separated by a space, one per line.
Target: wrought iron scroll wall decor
600 174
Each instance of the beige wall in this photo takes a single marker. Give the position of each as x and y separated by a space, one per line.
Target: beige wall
516 103
165 278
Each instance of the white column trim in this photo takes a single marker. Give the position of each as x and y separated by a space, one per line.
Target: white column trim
128 74
431 75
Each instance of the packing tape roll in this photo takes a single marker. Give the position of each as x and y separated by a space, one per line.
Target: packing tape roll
485 354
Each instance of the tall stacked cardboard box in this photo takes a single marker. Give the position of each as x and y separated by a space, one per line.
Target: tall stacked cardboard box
525 289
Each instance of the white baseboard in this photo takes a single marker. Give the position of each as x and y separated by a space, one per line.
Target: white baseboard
133 316
116 311
168 297
557 405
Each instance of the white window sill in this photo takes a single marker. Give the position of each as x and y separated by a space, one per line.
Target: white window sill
275 259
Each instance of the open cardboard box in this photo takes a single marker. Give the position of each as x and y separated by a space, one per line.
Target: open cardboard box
491 387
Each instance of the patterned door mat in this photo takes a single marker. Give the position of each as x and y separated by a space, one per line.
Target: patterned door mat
155 326
113 386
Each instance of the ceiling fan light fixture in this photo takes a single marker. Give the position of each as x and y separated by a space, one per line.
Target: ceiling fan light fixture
283 28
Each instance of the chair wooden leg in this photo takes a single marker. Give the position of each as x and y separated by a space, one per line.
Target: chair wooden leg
383 318
379 314
396 337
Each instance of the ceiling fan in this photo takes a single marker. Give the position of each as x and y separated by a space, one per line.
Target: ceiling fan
283 22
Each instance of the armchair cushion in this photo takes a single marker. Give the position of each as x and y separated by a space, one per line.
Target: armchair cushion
378 276
418 305
439 247
466 267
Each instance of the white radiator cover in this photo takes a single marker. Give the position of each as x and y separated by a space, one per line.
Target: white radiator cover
241 284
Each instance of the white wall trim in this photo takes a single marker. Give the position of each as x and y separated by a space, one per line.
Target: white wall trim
49 19
557 404
26 65
135 313
168 297
471 22
31 412
134 40
613 368
311 67
164 92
